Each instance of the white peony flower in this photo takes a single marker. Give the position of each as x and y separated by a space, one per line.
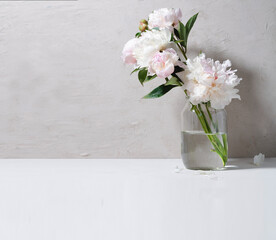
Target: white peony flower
149 43
259 159
164 18
162 63
206 80
127 53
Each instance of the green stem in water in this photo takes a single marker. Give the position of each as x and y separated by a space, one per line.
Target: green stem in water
204 118
215 126
220 149
224 136
225 144
214 138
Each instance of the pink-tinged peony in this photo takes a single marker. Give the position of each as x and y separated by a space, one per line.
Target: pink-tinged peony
162 63
149 43
165 18
206 80
127 53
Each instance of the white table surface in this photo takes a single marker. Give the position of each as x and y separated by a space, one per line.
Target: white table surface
124 199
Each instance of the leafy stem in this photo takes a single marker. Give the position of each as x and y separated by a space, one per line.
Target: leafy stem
180 48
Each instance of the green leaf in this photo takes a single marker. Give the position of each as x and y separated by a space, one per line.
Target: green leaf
182 34
148 78
137 35
142 75
188 27
175 75
176 33
135 70
173 81
190 23
178 69
159 91
184 30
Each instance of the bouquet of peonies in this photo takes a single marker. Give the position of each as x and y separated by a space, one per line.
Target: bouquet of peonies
159 49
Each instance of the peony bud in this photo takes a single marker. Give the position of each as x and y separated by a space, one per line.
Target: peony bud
144 21
143 26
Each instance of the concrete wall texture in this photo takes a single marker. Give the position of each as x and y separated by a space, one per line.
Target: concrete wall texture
64 92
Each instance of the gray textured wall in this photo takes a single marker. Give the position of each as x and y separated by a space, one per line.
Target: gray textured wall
64 92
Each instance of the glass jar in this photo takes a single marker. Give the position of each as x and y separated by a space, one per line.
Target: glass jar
203 137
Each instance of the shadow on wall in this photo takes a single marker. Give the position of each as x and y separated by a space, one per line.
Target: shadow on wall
251 126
